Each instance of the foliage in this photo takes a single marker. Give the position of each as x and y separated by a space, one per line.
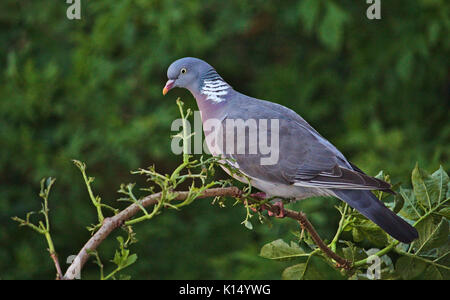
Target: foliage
426 206
167 185
91 89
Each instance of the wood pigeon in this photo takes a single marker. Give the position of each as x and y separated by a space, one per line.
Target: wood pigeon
303 163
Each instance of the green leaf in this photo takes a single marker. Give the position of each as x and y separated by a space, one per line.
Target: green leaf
399 202
447 196
380 175
314 269
280 250
431 235
130 260
441 183
248 224
117 260
295 272
367 229
434 272
438 269
430 190
352 253
445 212
419 181
410 210
408 267
357 235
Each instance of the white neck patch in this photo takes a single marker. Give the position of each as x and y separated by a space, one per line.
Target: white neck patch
214 90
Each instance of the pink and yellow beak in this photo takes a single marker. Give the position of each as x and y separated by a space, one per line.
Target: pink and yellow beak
168 87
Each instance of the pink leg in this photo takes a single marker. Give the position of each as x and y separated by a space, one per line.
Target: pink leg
281 212
259 195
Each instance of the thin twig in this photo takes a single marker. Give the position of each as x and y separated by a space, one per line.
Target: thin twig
59 273
109 224
306 225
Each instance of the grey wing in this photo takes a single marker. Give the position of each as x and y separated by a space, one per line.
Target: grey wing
319 164
305 159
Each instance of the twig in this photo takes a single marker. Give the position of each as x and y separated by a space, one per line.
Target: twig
59 273
306 225
109 224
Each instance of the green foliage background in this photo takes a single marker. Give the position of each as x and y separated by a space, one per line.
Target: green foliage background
90 89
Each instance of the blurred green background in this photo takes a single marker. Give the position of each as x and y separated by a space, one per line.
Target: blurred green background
90 89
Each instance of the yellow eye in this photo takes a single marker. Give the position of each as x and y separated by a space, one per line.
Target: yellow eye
183 70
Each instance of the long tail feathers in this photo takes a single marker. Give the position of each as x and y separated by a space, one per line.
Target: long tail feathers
372 208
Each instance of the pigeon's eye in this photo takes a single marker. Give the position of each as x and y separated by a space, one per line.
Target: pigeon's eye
183 70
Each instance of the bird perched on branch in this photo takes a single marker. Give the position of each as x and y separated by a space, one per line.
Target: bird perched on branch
297 163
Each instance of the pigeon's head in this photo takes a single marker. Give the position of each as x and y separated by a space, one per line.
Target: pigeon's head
186 73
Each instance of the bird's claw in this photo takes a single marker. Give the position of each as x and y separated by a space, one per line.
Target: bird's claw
259 195
253 209
280 213
279 206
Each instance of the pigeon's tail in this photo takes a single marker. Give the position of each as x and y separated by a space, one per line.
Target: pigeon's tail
368 205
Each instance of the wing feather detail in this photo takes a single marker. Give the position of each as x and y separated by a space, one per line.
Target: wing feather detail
342 178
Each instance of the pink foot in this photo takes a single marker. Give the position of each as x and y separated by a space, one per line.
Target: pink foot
260 196
281 212
251 208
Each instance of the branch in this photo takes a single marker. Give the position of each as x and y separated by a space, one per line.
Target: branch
305 224
109 224
59 274
41 228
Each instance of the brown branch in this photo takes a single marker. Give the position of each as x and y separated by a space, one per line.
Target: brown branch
109 224
59 274
305 224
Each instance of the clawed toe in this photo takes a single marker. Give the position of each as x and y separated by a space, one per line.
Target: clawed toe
259 195
280 212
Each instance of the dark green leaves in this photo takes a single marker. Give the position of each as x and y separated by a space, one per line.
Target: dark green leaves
280 250
294 272
409 267
426 206
363 228
430 190
122 257
410 209
431 234
313 269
